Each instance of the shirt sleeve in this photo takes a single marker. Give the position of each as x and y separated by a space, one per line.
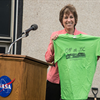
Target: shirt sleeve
49 56
98 48
58 51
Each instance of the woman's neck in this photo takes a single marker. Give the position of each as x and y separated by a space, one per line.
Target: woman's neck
70 31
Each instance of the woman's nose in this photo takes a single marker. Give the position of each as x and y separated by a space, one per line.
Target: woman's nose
69 19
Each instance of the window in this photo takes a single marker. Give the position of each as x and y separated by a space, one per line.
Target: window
3 48
10 24
5 17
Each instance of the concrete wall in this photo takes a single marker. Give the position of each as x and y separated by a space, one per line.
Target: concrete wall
45 13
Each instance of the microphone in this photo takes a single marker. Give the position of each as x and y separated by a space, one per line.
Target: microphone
33 27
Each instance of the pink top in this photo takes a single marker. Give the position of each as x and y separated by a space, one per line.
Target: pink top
53 75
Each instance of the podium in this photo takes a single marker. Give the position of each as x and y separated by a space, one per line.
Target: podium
29 74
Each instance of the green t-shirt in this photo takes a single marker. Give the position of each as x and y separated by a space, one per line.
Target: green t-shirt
76 56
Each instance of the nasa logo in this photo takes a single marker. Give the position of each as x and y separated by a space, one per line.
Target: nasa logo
5 86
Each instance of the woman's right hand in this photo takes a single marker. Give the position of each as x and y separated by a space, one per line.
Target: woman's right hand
53 38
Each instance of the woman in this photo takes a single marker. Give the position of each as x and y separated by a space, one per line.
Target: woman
68 18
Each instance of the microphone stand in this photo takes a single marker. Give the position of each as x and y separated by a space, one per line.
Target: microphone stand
25 35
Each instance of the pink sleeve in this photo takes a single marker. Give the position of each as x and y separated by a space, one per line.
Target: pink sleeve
49 56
